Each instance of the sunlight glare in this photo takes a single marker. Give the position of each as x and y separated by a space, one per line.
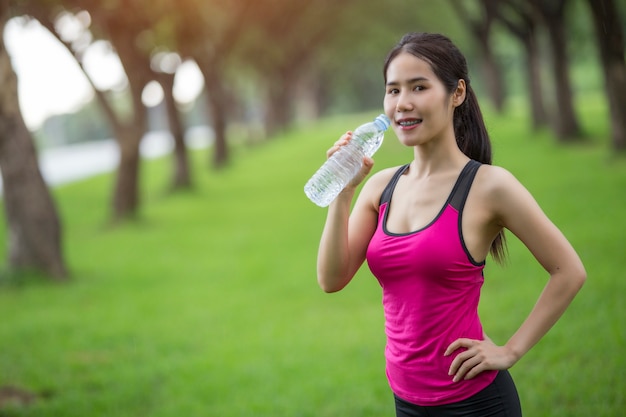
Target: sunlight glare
152 94
188 83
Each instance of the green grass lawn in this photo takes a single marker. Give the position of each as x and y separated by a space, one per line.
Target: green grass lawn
208 305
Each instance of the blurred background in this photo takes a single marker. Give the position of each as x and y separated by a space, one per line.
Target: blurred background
91 87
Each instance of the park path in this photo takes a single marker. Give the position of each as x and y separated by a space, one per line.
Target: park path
71 163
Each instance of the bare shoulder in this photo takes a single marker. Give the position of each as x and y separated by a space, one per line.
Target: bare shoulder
384 175
380 179
494 179
504 195
496 185
376 183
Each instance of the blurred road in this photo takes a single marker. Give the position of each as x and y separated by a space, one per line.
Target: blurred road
76 162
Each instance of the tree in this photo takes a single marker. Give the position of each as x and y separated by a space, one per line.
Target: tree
182 174
160 17
34 228
283 46
206 32
567 127
122 31
481 29
134 38
520 19
610 38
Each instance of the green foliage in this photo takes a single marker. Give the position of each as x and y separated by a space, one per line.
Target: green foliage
353 58
208 305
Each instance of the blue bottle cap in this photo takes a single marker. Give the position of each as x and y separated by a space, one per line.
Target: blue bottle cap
383 122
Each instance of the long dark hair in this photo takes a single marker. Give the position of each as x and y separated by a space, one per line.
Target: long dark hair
450 66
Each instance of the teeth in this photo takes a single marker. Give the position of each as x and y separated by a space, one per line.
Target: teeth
409 122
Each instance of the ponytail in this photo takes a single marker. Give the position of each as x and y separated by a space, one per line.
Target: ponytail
469 128
473 140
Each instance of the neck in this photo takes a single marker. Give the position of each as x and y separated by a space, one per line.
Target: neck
437 156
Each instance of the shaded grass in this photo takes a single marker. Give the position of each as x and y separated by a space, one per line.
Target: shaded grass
208 305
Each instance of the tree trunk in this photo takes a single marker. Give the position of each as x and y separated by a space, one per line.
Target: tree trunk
128 136
480 28
128 133
533 74
126 189
310 95
492 73
280 103
522 23
181 173
34 241
611 44
217 108
566 127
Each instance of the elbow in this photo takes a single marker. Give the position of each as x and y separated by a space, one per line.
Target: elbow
329 290
330 286
580 278
577 279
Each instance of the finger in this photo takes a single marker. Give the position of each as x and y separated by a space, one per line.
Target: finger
366 167
475 371
460 359
331 151
459 343
368 163
467 367
457 362
343 140
338 145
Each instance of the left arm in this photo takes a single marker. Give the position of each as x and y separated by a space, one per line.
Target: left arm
516 210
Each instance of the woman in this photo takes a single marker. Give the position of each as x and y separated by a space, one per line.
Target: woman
426 229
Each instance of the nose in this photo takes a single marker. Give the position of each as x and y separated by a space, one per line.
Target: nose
404 103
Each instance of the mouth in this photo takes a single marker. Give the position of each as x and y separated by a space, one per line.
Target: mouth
408 122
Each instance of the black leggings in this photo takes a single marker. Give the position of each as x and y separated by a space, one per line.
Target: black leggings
499 399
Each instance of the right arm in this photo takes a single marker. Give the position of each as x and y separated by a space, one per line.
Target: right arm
346 235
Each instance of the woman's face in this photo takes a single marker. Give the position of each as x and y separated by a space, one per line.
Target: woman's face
416 101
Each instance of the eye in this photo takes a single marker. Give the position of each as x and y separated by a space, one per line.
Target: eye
392 91
419 88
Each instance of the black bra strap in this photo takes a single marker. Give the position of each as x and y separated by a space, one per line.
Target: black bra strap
464 183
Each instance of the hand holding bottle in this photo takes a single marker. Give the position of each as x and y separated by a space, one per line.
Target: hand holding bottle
366 166
349 161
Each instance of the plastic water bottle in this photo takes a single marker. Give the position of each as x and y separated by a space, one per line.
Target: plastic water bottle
332 177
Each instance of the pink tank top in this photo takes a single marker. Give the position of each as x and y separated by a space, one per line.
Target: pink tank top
431 288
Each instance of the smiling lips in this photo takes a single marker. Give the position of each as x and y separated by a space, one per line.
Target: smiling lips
408 123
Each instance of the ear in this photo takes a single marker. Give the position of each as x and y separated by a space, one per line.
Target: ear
458 96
